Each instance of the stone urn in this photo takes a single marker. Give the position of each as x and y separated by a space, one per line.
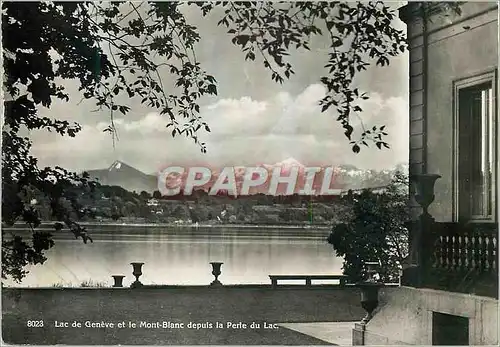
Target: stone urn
118 279
137 272
424 190
370 291
216 272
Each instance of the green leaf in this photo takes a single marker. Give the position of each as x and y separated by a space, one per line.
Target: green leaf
336 43
242 39
348 130
212 89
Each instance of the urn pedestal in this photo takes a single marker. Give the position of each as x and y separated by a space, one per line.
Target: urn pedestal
216 272
137 272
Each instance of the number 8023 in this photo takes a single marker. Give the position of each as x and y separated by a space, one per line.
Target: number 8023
34 324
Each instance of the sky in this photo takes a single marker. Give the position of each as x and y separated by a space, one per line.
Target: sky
253 119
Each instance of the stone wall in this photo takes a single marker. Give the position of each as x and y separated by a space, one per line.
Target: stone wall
405 314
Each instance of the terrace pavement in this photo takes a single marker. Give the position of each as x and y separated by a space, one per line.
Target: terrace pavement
288 315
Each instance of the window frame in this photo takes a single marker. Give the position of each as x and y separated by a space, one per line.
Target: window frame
489 76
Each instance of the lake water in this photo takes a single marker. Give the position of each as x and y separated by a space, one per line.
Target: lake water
181 256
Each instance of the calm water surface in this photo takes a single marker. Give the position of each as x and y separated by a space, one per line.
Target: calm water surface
182 256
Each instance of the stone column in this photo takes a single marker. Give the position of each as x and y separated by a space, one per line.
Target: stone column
412 15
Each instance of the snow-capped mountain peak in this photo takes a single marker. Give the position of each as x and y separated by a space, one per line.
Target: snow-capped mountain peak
125 176
116 165
287 163
290 162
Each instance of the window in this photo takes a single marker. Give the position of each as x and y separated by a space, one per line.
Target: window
449 330
476 149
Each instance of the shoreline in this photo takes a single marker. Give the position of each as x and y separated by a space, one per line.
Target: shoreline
46 225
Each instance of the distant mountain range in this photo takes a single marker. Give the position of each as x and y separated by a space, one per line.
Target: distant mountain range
345 177
125 176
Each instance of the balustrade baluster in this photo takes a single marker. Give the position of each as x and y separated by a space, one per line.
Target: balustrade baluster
444 255
495 253
450 251
438 252
483 251
463 253
456 252
486 264
491 250
470 252
451 256
477 251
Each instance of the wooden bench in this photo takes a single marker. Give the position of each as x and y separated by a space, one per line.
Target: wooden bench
307 278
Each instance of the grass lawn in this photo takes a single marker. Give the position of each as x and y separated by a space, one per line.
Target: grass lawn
202 305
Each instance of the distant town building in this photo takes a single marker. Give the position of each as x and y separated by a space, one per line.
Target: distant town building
153 202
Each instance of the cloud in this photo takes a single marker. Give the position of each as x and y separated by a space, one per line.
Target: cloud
233 117
151 123
244 131
282 113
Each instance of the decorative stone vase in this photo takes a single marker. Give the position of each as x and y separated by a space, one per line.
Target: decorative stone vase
118 281
137 272
369 298
423 236
424 186
216 272
369 291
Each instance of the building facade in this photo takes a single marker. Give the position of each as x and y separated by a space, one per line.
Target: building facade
449 292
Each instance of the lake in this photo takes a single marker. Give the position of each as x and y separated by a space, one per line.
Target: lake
181 256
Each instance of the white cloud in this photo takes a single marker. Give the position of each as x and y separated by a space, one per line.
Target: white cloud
232 117
244 131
